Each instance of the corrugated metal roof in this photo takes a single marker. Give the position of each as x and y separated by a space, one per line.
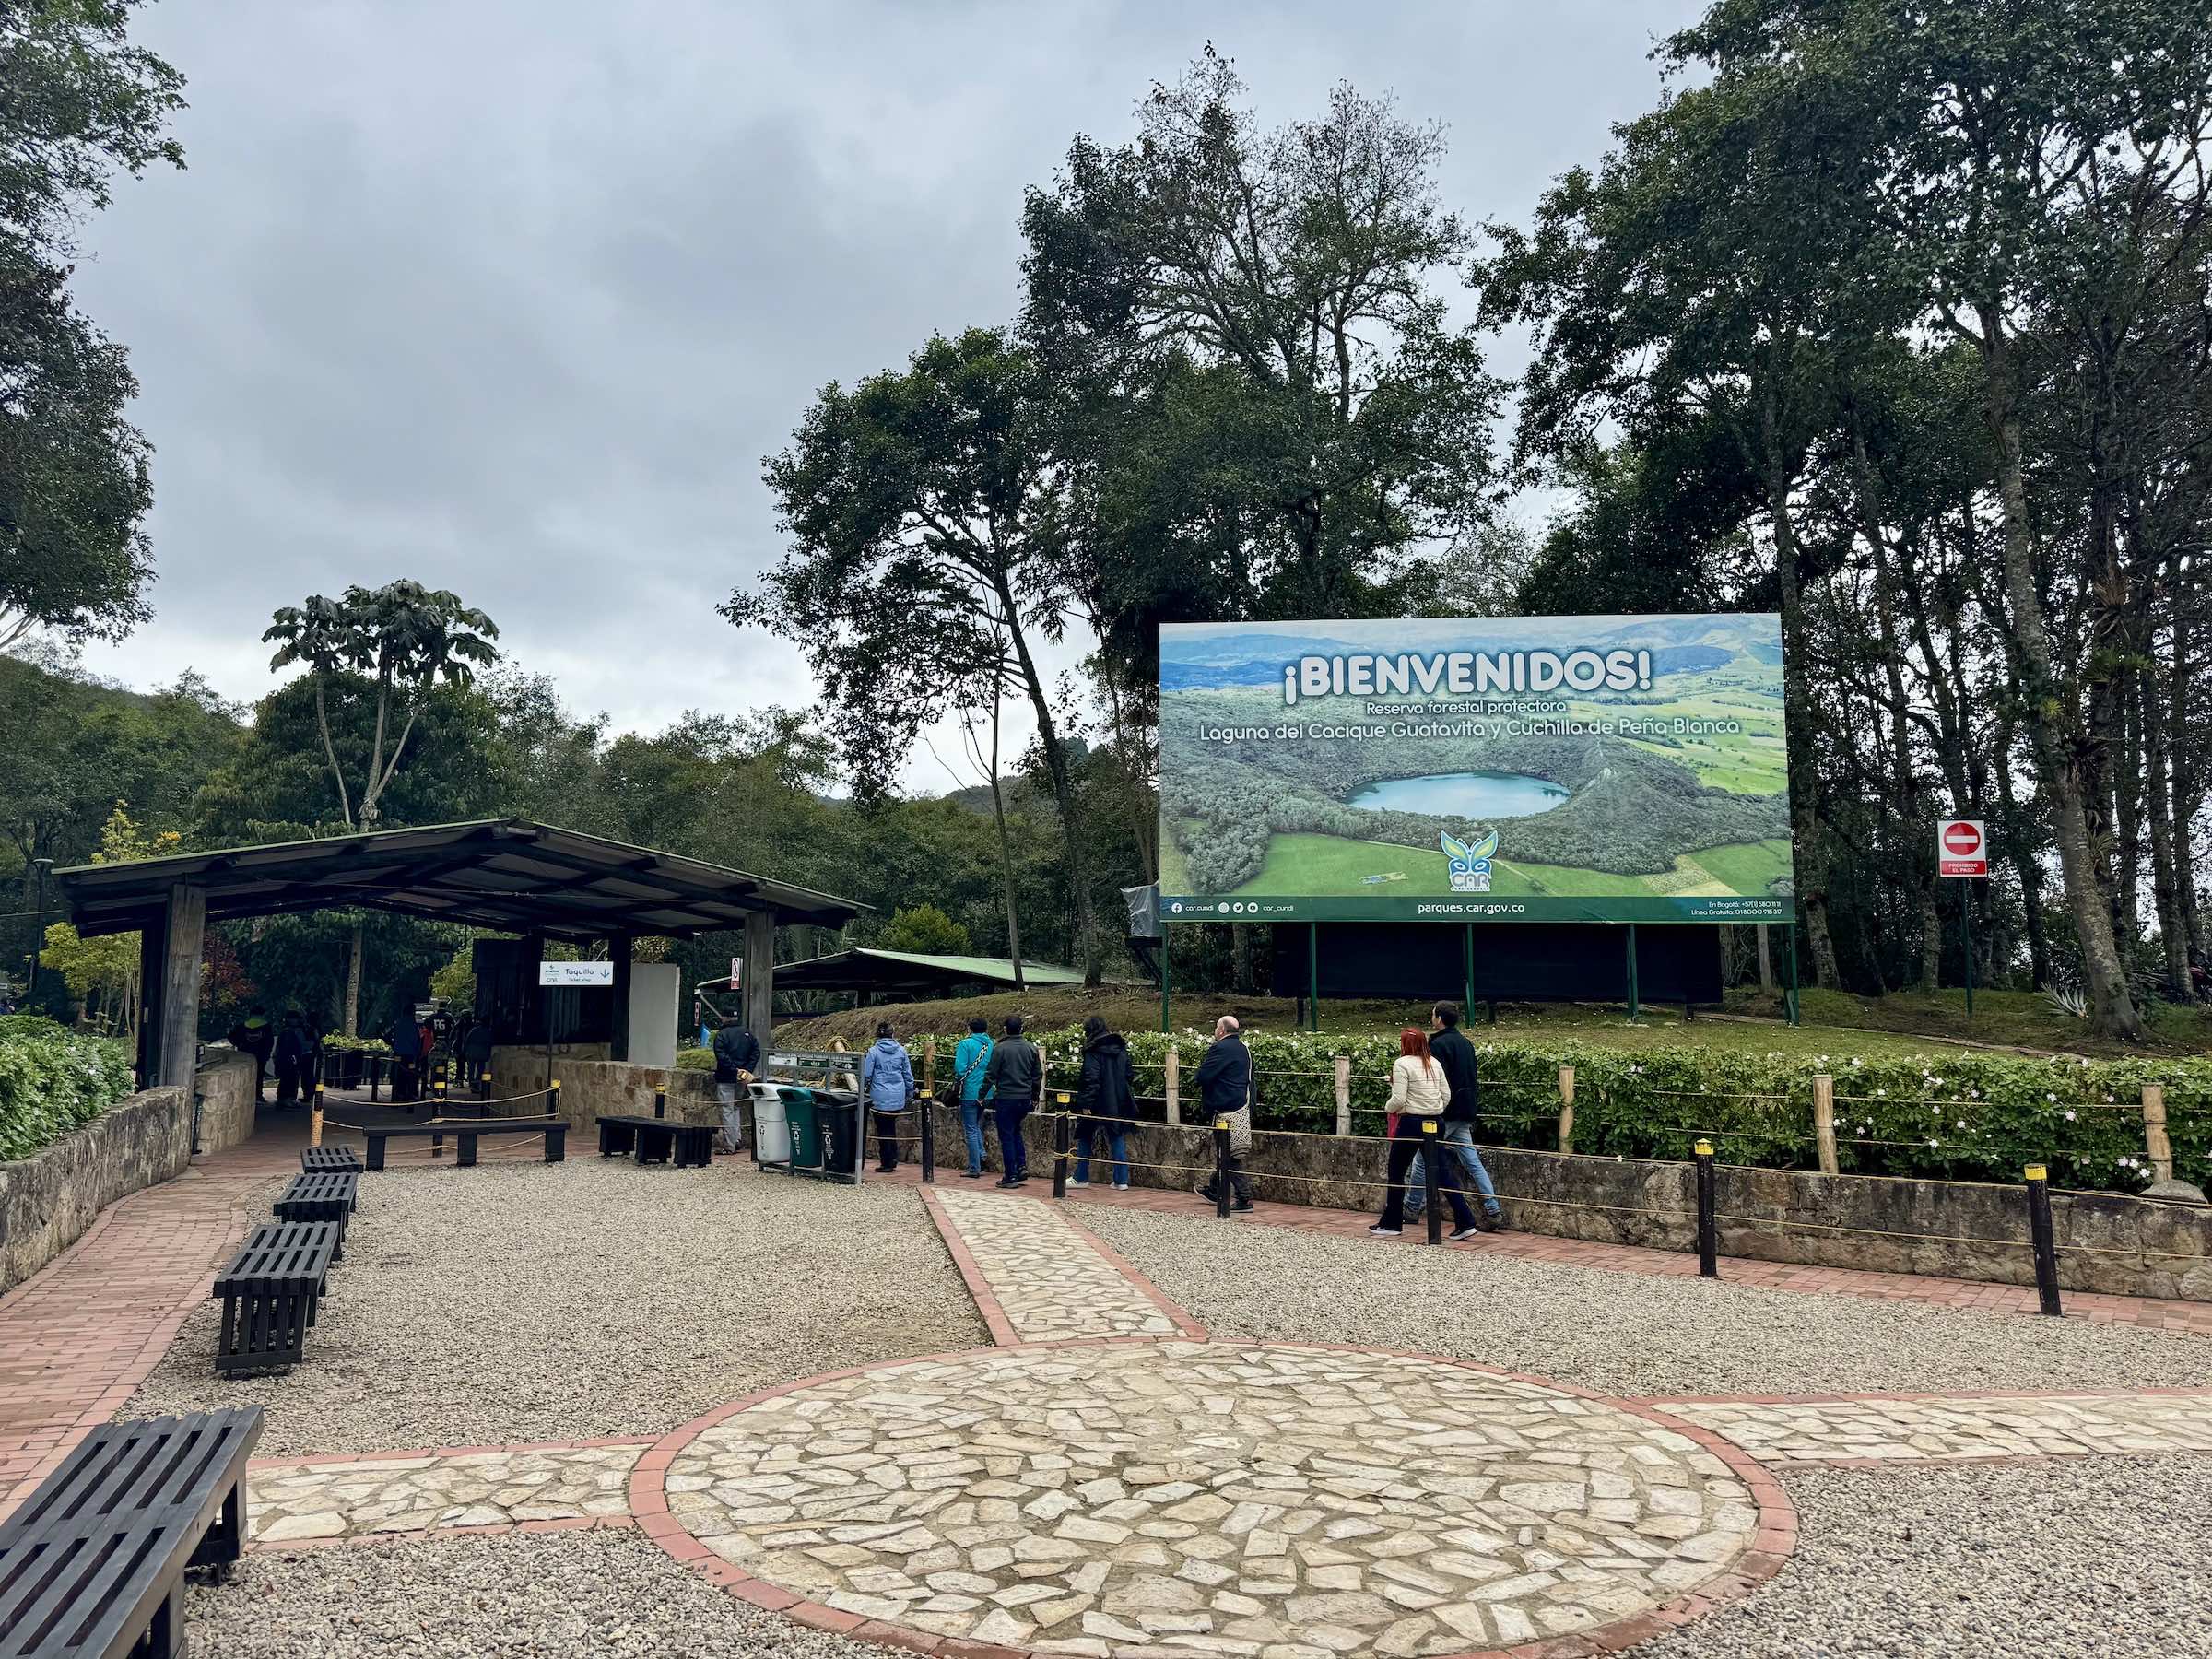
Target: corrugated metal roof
503 874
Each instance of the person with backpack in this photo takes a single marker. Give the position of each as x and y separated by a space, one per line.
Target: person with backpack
969 1063
1224 1082
887 1078
1011 1079
1106 1101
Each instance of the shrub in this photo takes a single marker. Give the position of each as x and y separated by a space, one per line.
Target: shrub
53 1081
1956 1114
695 1059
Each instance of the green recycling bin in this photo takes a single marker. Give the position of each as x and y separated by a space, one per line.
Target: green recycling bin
806 1129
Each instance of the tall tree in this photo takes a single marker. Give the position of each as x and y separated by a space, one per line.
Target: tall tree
927 517
1264 315
78 103
405 641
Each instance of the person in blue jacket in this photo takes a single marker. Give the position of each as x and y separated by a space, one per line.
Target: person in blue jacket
969 1063
886 1078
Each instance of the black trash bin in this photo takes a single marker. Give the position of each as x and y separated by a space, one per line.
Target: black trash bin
838 1110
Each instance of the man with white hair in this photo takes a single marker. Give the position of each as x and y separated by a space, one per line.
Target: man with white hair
1225 1090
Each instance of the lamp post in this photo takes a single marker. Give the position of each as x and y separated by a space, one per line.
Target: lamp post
39 866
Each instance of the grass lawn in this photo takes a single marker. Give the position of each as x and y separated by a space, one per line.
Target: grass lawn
1139 1010
2020 1019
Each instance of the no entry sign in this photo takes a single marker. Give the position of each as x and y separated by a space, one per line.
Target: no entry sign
1961 848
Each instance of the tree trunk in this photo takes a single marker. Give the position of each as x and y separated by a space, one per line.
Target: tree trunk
1766 962
2026 867
2050 730
1005 846
1905 786
2182 764
353 984
1064 792
1811 860
1240 934
2165 892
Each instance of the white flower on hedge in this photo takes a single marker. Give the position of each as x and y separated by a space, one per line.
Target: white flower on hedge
2051 1098
2069 1114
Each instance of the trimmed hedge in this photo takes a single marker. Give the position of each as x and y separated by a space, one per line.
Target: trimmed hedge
1956 1114
53 1081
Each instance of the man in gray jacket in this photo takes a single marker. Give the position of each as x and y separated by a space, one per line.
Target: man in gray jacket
1011 1083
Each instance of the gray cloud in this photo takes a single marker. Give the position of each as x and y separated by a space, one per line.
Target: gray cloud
512 297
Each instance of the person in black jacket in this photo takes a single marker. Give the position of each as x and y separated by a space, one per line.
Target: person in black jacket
1454 1056
1224 1082
1455 1053
293 1054
736 1058
1105 1100
1010 1084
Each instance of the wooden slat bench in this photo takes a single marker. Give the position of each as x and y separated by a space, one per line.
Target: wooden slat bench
554 1130
658 1140
336 1160
270 1291
329 1196
92 1564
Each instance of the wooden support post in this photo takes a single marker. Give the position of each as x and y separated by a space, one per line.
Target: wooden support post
1344 1094
1566 1108
1175 1087
314 1119
929 1065
2154 1132
1824 1121
181 985
2042 1242
760 977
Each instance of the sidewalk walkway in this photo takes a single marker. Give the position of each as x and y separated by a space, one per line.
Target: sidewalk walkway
2191 1318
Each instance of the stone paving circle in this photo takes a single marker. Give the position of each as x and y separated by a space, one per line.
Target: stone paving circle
1262 1501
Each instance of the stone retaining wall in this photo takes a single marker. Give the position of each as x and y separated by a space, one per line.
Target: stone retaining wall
227 1104
592 1088
2107 1241
48 1199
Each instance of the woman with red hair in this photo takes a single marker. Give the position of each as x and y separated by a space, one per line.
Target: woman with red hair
1419 1094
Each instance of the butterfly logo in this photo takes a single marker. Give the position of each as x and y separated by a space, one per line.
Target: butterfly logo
1470 866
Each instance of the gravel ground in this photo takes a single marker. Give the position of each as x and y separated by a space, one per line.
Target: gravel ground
2072 1559
1619 1333
534 1302
604 1595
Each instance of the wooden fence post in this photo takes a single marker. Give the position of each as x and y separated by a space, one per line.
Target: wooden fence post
1824 1121
1566 1108
2154 1132
1175 1087
929 1064
1344 1096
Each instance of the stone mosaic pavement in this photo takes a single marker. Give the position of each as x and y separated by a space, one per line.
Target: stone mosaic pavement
504 1486
1957 1428
1050 1281
1265 1502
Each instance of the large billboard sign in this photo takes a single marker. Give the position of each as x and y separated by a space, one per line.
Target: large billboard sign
1521 768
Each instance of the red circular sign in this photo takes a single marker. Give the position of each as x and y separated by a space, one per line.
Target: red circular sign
1963 839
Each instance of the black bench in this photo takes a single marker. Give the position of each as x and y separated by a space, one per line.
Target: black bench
329 1196
554 1130
340 1160
92 1564
657 1140
270 1291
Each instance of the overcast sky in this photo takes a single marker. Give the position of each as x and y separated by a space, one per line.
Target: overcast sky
511 298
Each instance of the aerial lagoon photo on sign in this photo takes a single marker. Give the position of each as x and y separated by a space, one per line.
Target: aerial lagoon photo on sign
1531 768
